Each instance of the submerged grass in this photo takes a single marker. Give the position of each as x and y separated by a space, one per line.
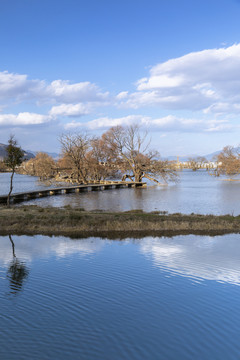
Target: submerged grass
77 222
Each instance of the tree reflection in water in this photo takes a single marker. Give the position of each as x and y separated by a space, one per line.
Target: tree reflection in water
17 272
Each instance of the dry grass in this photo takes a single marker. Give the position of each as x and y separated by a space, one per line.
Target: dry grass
77 222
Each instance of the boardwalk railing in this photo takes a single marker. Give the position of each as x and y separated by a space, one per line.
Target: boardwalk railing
103 185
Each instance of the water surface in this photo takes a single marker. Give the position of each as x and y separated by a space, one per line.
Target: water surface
22 183
154 298
195 192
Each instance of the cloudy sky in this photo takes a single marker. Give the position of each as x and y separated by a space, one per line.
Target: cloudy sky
172 66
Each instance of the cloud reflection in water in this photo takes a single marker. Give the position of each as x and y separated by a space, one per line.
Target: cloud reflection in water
28 248
198 257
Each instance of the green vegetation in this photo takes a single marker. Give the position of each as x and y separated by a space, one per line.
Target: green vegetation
77 222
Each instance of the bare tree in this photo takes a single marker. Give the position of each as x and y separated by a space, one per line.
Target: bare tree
44 166
28 167
75 148
197 162
120 151
102 161
13 159
228 162
135 159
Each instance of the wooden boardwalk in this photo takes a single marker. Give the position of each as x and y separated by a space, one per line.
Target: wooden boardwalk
103 185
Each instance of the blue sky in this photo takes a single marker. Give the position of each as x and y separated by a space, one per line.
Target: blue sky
172 66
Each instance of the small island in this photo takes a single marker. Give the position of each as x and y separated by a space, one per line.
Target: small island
67 221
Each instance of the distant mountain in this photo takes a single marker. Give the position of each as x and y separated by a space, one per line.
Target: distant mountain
212 155
54 155
27 154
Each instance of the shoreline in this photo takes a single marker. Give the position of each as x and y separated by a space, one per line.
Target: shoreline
78 223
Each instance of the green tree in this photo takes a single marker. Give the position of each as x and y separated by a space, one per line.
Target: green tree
12 160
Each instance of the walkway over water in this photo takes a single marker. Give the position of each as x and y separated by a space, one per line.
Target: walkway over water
103 185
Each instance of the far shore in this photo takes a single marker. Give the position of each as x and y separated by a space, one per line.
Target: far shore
77 223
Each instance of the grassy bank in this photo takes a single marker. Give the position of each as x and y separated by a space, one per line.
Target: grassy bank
32 220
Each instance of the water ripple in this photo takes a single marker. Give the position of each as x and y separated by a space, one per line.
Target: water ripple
156 298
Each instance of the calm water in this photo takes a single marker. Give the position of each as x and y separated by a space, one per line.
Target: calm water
21 183
196 192
154 298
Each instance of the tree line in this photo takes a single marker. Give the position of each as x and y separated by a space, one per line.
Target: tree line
120 152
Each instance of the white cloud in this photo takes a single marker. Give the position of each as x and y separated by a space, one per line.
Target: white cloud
160 81
168 123
70 110
206 81
122 95
13 85
65 92
105 122
223 108
66 99
202 80
22 119
18 87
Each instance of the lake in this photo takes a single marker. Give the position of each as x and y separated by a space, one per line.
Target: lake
22 183
195 192
151 298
